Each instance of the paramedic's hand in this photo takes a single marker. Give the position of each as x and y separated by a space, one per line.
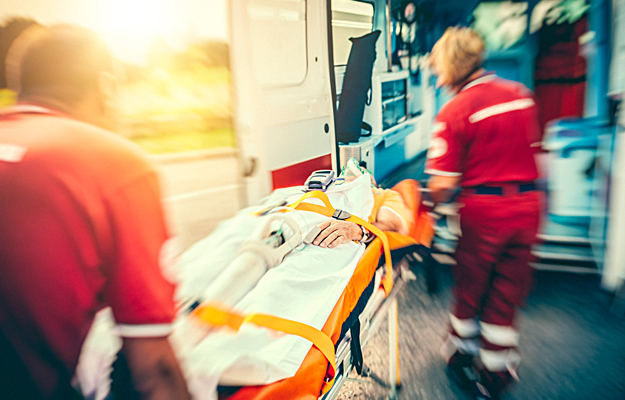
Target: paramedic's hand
154 368
335 232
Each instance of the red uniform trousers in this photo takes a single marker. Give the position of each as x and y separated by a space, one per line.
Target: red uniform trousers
492 275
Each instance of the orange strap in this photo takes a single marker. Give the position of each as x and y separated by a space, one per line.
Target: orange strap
217 316
328 211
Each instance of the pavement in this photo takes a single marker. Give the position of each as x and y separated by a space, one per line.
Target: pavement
572 347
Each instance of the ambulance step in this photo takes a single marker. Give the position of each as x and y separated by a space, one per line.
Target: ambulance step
575 258
565 240
563 251
569 256
566 268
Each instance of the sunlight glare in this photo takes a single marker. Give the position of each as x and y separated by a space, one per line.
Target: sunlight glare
131 26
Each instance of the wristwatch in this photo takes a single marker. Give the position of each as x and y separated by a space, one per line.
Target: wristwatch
366 235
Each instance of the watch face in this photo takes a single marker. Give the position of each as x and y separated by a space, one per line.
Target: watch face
410 12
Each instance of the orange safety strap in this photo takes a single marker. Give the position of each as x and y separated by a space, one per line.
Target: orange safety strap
217 316
328 211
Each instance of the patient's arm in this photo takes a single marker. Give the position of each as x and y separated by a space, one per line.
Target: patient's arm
389 221
335 232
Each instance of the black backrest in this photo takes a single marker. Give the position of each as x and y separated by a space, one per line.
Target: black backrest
356 84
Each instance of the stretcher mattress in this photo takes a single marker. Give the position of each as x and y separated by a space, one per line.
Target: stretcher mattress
307 383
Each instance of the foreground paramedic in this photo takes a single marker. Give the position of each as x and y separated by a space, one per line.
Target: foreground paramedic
81 225
482 142
389 214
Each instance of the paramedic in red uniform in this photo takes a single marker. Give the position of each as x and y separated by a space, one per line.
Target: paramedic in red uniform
81 225
482 143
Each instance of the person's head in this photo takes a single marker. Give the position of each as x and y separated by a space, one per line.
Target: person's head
11 29
66 67
456 56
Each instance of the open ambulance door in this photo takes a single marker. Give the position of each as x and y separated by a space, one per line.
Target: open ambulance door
283 103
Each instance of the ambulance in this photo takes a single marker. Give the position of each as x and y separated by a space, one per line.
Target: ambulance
289 64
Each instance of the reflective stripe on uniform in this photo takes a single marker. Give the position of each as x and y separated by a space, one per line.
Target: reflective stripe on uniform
500 335
12 153
502 108
464 327
503 360
430 171
147 330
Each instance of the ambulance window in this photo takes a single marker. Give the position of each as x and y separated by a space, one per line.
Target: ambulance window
278 41
501 24
349 19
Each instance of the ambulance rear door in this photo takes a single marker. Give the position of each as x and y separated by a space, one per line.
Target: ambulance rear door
283 100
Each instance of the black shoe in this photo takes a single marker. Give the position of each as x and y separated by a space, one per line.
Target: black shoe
482 393
460 370
491 385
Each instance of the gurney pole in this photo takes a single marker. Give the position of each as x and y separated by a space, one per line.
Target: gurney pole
393 343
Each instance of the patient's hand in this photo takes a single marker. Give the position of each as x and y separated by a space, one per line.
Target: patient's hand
335 232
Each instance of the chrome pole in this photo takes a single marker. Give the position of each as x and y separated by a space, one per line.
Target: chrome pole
389 37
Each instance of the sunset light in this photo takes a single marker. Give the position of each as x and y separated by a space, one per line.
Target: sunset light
131 27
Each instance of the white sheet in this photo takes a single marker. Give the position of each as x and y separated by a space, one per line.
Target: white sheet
304 287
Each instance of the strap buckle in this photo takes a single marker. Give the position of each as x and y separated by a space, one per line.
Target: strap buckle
341 214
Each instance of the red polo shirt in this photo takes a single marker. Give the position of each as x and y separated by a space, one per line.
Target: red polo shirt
484 134
81 227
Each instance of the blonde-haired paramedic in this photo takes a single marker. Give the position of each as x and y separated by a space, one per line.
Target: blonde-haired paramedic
481 143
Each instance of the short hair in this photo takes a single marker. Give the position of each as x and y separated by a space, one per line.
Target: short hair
459 52
11 29
64 56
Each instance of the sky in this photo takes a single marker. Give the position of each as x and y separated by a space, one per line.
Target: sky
130 26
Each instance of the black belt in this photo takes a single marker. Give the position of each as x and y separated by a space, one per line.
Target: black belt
501 190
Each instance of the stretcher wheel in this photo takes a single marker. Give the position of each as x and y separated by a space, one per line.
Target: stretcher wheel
429 268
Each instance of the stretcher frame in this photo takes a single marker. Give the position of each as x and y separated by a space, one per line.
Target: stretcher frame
378 306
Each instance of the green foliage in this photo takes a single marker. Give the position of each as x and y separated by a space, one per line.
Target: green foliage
7 98
180 101
186 141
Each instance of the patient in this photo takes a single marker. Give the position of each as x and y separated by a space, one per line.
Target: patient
389 214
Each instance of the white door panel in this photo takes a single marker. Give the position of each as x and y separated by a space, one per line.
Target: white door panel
283 99
293 143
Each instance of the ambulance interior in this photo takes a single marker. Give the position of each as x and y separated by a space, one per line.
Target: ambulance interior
571 54
288 63
559 49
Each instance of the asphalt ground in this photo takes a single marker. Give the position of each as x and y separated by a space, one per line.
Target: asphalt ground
572 347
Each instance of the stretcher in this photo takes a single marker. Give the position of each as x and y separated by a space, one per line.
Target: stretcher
369 295
363 305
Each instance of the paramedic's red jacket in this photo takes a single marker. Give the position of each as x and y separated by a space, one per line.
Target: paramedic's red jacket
81 227
484 134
